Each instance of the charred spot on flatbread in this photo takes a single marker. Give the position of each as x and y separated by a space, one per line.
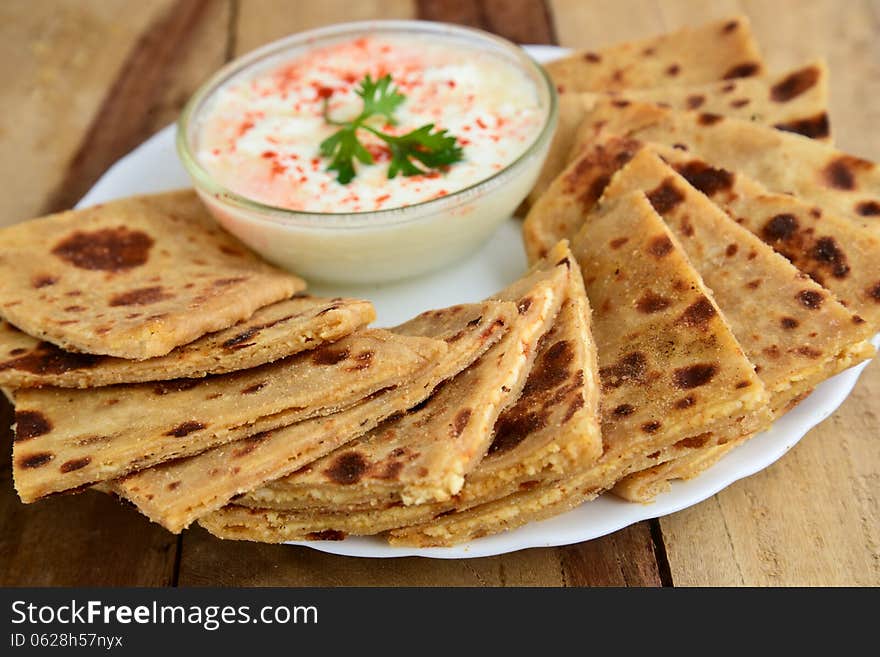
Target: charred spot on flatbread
707 179
814 127
694 376
30 424
744 70
140 297
665 197
347 469
811 299
660 246
698 313
840 172
650 302
630 368
795 84
46 358
108 249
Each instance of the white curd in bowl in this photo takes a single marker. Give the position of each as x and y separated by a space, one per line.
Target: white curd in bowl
251 140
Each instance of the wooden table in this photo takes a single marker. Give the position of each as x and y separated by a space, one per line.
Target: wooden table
85 81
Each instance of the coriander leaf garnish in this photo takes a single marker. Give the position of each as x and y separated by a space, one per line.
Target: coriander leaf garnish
434 149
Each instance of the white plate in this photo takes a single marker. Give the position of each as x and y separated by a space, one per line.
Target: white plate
153 166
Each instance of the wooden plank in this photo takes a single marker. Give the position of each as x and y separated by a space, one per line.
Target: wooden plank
814 517
91 539
261 21
76 540
625 558
126 116
602 23
209 561
58 60
521 21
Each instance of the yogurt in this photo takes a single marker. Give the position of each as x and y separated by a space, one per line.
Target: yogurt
260 134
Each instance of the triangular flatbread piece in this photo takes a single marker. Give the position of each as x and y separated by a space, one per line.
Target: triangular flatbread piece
551 430
273 332
133 278
425 455
793 331
667 376
720 50
835 252
796 101
176 493
783 162
67 438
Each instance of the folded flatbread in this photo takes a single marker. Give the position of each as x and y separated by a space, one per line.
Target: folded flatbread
668 375
66 438
783 162
133 278
551 430
273 332
176 493
793 331
720 50
796 101
424 456
836 252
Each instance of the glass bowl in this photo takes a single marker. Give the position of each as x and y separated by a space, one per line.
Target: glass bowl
388 244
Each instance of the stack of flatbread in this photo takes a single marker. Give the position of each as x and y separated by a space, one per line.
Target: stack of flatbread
702 257
138 333
724 282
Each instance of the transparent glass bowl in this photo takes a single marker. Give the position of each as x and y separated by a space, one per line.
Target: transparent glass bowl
386 245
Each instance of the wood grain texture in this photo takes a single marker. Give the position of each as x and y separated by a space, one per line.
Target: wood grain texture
76 540
57 60
521 21
125 118
104 542
209 561
261 21
625 558
127 68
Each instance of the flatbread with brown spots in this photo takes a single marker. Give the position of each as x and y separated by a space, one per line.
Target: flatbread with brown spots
793 331
784 162
176 493
133 278
667 376
551 430
425 455
796 101
273 332
834 251
66 438
720 50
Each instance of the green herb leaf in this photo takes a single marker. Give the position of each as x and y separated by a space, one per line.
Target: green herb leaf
344 147
380 98
434 150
